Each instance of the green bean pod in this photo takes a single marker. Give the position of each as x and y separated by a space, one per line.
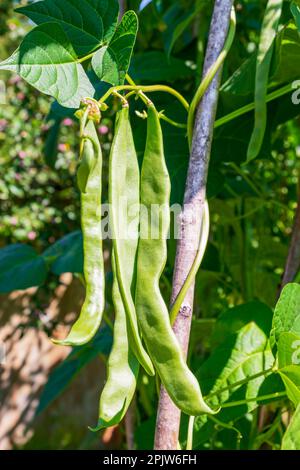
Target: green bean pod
89 177
124 189
123 368
152 313
264 57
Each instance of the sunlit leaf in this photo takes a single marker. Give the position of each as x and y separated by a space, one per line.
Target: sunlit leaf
87 23
111 62
47 61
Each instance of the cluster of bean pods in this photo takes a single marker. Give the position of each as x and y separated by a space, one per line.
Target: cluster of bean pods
143 334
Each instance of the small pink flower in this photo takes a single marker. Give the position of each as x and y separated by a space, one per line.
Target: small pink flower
14 80
24 134
45 127
31 235
62 147
3 124
14 221
68 122
21 96
18 177
22 154
103 130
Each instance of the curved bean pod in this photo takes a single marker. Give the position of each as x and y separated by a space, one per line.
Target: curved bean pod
152 313
123 368
89 181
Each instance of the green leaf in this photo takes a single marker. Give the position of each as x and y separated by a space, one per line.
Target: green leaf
20 268
242 355
287 313
291 379
66 372
295 9
237 90
288 364
111 62
178 20
291 438
47 61
288 350
285 64
87 23
233 319
156 67
66 255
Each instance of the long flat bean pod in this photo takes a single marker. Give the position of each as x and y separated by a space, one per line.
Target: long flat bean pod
264 57
123 367
124 189
153 315
89 181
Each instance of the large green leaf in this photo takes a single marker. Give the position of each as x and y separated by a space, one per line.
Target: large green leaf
88 23
20 268
66 372
233 319
243 354
47 61
155 66
287 313
66 255
291 438
111 62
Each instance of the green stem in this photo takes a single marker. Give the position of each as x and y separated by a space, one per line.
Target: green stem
247 179
195 266
129 80
210 76
264 373
276 395
225 425
190 435
179 125
147 89
121 98
86 57
251 106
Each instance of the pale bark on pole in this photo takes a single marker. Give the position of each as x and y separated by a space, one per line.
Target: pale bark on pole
168 418
122 4
293 260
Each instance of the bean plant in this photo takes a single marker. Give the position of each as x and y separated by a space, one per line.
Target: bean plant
80 54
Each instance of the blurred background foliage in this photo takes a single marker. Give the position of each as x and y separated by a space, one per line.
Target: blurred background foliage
252 205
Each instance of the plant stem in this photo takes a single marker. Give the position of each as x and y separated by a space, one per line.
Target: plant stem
195 266
168 418
271 396
247 179
179 125
189 442
147 89
264 373
293 260
251 106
